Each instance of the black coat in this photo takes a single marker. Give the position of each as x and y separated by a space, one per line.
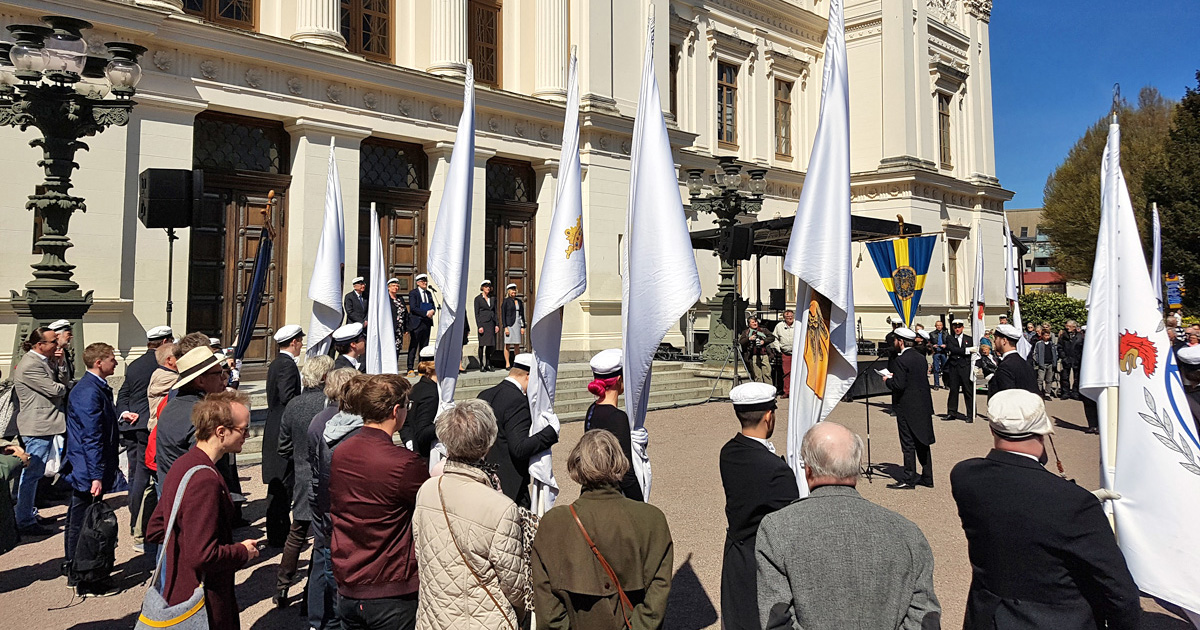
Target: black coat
514 446
913 401
1070 348
757 482
283 384
485 318
343 362
417 309
356 309
132 395
423 409
1042 553
293 445
612 419
510 308
958 355
1013 372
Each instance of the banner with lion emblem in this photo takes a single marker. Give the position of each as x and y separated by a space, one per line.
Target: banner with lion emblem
902 264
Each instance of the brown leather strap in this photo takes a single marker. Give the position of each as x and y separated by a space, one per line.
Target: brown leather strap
450 532
612 575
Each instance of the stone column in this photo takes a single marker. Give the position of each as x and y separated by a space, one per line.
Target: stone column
449 38
318 22
552 53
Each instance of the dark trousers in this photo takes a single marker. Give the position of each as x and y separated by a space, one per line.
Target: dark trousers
322 588
1068 380
914 451
296 537
939 362
385 613
958 379
1091 412
139 476
417 339
485 356
75 511
279 512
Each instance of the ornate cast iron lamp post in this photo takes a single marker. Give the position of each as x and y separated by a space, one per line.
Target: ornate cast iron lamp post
48 81
727 202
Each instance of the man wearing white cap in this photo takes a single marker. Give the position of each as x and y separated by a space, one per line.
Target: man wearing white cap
913 406
514 446
1042 553
1012 372
350 341
757 482
133 409
283 384
64 358
959 348
420 318
1188 358
355 302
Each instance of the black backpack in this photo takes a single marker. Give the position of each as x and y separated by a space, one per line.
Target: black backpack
95 550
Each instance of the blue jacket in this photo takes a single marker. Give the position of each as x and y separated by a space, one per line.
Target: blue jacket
417 309
91 443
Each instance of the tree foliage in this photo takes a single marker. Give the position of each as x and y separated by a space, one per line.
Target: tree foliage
1176 189
1071 199
1055 308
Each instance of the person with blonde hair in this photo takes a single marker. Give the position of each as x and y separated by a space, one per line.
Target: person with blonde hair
468 533
604 561
419 432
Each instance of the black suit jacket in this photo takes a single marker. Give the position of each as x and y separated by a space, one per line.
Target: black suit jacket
132 395
356 310
958 355
757 482
1042 554
283 384
1013 372
514 446
417 309
913 402
1070 348
422 411
343 362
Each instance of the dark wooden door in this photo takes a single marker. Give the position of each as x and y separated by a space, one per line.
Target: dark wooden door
402 228
508 257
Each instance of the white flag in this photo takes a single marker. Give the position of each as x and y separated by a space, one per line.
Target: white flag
1158 450
659 281
825 356
563 278
325 288
381 328
1012 287
450 247
979 302
1156 275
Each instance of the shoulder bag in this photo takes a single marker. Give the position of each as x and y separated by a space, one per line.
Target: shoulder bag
612 575
187 615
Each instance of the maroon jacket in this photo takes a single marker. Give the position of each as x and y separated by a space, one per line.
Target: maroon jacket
373 488
201 547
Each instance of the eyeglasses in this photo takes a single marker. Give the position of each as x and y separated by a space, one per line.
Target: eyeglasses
241 430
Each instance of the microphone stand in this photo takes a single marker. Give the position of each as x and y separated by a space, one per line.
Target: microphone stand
869 470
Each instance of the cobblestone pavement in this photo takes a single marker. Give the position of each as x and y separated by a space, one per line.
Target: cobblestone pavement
684 447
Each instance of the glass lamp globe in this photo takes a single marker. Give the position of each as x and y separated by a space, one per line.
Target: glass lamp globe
123 73
28 57
65 52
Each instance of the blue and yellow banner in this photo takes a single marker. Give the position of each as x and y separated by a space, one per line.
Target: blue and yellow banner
902 264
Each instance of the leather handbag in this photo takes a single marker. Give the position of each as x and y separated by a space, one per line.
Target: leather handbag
612 575
156 613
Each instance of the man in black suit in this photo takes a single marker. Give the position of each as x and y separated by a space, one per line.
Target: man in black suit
913 406
420 318
958 371
1070 352
1042 553
350 341
757 482
355 303
514 446
1012 372
283 384
133 407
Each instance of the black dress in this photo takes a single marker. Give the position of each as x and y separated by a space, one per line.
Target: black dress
485 318
613 420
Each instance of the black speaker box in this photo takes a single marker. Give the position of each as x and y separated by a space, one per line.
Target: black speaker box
738 243
778 300
168 198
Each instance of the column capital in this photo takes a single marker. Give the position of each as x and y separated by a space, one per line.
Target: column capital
311 126
443 150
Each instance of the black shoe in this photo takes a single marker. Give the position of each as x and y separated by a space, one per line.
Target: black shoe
946 417
1092 431
35 531
96 589
901 485
927 484
969 420
280 598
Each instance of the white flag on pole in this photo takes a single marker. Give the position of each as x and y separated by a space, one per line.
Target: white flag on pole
563 278
1158 449
325 288
1012 287
659 281
450 247
1156 275
978 303
381 328
825 356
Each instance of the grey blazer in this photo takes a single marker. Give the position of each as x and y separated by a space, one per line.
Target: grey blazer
836 560
40 398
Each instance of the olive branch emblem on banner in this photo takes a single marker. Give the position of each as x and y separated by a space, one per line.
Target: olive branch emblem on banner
1167 437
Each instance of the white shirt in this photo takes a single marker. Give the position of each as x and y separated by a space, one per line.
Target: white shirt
294 357
39 355
785 336
1002 358
1025 455
353 361
770 446
515 382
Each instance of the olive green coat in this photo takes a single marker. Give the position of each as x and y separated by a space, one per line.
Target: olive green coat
572 590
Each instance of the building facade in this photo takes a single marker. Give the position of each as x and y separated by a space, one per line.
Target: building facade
1037 268
258 92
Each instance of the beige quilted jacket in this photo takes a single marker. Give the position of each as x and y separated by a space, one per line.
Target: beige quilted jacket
486 526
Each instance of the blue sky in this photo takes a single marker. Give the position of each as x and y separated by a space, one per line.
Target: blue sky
1053 66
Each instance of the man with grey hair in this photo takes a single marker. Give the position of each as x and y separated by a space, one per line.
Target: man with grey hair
836 560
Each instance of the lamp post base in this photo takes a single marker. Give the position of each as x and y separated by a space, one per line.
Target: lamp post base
36 308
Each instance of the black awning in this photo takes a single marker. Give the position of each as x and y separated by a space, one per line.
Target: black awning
771 237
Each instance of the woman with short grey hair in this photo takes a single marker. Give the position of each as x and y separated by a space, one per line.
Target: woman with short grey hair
467 533
629 547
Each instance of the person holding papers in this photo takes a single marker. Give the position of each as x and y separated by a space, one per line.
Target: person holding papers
913 405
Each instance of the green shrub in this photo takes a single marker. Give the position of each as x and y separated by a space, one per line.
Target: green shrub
1055 308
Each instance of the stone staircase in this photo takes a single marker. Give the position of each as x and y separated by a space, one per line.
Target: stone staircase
673 384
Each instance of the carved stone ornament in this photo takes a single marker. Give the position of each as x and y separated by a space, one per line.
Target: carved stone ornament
335 93
404 106
604 143
254 77
163 60
944 11
295 86
981 9
625 147
436 112
370 100
208 69
519 129
544 134
493 124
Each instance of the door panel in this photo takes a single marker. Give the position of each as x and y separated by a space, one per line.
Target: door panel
206 266
250 231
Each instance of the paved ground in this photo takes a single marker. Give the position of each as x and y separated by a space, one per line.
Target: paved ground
684 447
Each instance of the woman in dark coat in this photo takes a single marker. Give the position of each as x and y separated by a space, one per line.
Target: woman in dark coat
513 311
201 549
423 411
607 387
485 319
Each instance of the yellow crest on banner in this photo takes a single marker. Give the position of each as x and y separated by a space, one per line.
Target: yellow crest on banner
816 344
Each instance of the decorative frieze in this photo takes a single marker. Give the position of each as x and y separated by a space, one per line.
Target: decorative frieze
981 9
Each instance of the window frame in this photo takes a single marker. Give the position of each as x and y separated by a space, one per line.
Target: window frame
945 103
354 41
724 89
673 59
789 126
498 7
209 14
